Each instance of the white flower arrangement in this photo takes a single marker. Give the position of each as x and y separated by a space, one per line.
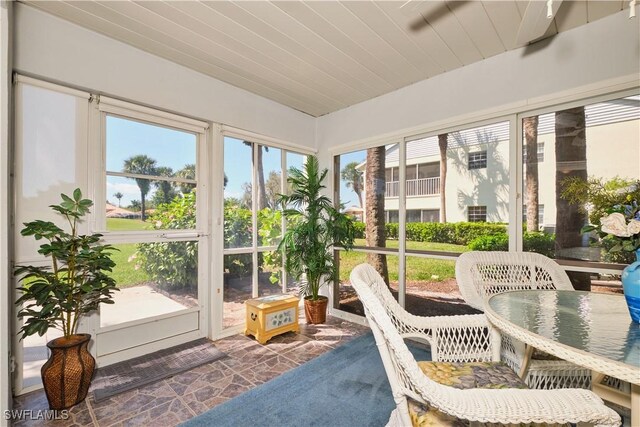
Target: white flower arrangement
616 224
624 229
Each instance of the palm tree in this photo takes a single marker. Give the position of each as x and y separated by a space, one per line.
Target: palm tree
166 187
262 189
354 179
571 149
142 165
118 196
443 143
530 125
375 190
188 172
134 205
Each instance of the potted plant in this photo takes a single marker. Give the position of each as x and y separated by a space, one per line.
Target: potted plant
313 227
58 295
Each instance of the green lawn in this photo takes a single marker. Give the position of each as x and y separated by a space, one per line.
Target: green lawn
125 272
125 224
418 269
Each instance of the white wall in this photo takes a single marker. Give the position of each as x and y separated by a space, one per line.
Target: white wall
603 50
54 49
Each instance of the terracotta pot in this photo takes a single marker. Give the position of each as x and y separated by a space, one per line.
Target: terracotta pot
316 311
68 372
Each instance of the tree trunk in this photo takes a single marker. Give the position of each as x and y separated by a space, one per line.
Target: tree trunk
375 226
571 162
262 191
142 207
530 125
443 144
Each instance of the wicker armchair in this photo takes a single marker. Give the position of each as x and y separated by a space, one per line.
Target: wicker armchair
461 339
480 274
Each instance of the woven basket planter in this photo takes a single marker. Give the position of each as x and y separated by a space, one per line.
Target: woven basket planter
68 372
316 311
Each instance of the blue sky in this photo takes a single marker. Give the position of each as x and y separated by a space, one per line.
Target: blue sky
237 164
126 138
175 149
237 160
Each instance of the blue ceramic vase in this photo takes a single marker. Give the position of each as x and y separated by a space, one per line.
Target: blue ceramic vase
631 287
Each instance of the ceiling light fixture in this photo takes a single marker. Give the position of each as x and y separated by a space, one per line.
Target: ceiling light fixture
550 9
632 9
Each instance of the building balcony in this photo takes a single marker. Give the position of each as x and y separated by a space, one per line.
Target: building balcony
415 187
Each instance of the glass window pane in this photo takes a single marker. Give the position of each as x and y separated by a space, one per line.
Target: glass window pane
413 215
347 299
295 160
588 166
432 289
154 279
476 195
428 170
363 186
477 160
126 212
237 288
238 200
146 149
412 171
269 273
269 170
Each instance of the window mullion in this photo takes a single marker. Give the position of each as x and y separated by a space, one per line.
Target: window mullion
254 220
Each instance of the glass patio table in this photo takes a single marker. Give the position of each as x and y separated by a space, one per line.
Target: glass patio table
589 329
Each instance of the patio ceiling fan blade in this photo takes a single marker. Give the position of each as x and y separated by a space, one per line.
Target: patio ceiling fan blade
536 21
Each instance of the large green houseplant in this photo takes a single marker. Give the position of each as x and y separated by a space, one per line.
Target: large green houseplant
314 225
57 295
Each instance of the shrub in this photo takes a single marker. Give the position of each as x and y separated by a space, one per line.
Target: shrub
173 265
457 233
359 228
392 230
540 242
497 242
465 232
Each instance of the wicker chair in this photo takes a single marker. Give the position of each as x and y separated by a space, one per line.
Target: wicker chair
480 274
466 338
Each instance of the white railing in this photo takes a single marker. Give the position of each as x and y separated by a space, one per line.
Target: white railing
415 187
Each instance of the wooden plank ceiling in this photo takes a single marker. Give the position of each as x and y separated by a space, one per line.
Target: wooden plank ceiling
319 57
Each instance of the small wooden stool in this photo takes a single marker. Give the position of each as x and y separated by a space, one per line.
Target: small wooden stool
270 316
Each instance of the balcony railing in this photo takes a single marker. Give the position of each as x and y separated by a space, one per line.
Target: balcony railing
415 187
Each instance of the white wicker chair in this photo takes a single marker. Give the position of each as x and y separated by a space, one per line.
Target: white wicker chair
459 338
480 274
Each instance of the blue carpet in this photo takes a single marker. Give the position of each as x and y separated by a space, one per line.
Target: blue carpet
344 387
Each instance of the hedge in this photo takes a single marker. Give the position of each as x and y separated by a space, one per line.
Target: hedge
457 233
540 242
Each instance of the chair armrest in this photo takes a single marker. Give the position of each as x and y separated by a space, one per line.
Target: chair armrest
462 338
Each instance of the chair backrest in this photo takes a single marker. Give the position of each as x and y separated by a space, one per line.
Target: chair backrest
482 273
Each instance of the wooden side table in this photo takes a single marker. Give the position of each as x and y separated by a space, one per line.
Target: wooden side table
270 316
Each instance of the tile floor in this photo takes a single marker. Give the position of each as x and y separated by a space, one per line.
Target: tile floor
183 396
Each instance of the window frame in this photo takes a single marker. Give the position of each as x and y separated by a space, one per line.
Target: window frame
477 160
97 183
482 213
255 248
